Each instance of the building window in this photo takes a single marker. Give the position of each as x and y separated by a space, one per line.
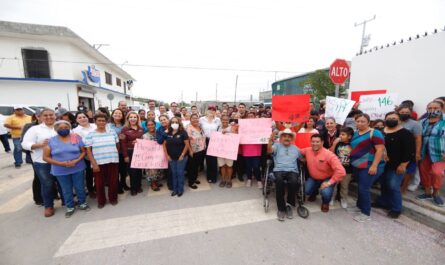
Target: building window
35 63
108 78
118 81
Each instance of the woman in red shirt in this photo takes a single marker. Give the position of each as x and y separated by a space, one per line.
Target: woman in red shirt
130 133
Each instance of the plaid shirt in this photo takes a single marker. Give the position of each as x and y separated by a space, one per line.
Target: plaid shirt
433 141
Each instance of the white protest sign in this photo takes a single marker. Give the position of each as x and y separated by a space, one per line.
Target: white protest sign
338 108
376 106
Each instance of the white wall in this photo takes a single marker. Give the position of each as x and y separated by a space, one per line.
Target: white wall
58 50
414 69
31 93
101 100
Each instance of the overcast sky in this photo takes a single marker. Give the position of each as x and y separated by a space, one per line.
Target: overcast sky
278 35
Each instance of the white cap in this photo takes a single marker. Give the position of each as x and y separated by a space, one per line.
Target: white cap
18 107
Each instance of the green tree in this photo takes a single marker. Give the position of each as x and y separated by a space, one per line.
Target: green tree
321 84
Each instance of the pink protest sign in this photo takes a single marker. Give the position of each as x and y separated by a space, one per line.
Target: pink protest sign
149 155
223 145
255 131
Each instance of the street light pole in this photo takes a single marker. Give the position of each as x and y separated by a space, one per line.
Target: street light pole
236 86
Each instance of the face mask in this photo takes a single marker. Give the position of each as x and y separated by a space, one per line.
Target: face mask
391 123
405 117
379 128
434 113
175 126
63 132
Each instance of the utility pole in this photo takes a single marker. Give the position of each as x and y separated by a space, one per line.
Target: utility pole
365 39
236 86
196 98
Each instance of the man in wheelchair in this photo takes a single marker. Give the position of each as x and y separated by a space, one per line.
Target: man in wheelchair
285 156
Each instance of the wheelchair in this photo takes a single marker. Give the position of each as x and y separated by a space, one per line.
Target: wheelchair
269 187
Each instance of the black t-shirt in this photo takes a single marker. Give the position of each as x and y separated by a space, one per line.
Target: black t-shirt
175 144
400 147
343 152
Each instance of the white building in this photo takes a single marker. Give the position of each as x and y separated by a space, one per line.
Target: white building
413 68
45 65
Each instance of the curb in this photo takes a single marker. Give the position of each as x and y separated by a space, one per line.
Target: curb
420 212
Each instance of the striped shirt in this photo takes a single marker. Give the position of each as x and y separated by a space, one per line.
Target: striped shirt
363 149
103 146
433 142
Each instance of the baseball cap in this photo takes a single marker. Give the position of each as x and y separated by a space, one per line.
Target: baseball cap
16 107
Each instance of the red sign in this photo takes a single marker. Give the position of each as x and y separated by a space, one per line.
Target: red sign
339 71
355 95
303 140
291 108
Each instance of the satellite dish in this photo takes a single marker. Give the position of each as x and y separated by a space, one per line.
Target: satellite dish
110 96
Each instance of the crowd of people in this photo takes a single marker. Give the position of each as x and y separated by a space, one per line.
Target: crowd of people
79 155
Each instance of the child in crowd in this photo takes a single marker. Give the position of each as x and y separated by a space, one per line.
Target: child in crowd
342 148
102 152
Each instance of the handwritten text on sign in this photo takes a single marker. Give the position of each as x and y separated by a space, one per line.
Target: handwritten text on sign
223 145
255 131
291 108
376 106
148 154
338 108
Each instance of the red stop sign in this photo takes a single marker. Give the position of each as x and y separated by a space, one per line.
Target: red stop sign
339 71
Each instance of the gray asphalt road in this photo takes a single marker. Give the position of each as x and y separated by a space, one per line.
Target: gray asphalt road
208 226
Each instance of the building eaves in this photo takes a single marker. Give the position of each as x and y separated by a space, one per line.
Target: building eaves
63 32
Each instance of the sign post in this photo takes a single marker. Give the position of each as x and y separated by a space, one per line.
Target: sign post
339 73
110 98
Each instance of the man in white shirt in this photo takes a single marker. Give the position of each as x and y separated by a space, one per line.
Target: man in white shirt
173 110
4 134
152 107
34 140
163 110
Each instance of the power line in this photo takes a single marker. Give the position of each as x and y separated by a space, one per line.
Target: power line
162 66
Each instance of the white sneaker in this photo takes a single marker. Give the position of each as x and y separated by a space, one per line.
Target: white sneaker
361 218
413 187
259 184
344 203
331 203
249 183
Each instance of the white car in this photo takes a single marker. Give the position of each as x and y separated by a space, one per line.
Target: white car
8 109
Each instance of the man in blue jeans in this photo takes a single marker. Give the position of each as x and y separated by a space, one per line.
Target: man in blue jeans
325 170
285 156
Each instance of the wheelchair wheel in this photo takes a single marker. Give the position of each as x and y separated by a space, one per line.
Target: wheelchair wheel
303 212
266 204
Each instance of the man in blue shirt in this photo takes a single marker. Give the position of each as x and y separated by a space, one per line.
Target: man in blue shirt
285 156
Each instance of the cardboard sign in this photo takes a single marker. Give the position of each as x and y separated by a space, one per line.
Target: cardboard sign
376 106
148 155
355 95
255 131
223 145
291 108
303 140
338 108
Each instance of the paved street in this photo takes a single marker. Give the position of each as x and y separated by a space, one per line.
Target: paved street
208 226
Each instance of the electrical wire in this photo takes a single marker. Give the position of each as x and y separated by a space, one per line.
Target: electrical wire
161 66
